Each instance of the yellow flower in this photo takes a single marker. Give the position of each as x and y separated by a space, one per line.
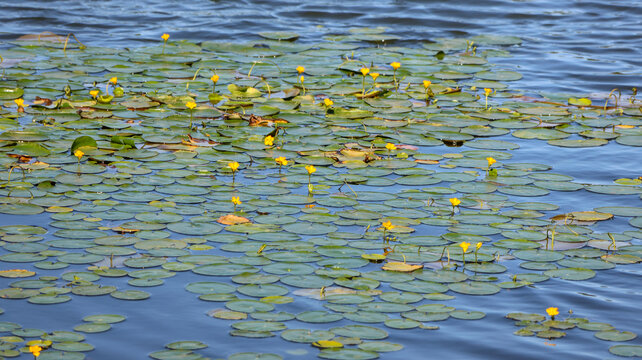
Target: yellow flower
364 71
269 140
78 154
454 201
20 103
94 93
302 78
35 350
190 105
391 147
233 166
388 225
281 161
236 200
311 169
165 36
300 69
395 65
327 102
374 76
552 311
113 80
464 246
491 161
487 91
427 83
479 244
214 78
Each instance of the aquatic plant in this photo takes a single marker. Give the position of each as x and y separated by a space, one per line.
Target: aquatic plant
464 247
455 203
165 37
35 351
214 80
390 147
281 161
552 312
364 71
268 141
487 92
395 65
233 165
311 170
236 201
190 105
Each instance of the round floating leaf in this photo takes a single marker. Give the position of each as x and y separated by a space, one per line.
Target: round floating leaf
474 288
130 295
306 336
361 332
467 315
615 335
104 318
347 354
626 350
571 273
318 317
91 328
380 346
46 299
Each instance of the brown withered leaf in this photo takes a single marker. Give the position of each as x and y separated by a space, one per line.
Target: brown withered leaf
199 142
231 219
255 120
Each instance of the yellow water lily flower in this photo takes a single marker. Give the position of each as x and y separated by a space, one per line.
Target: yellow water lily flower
464 246
35 350
487 91
165 37
454 201
300 69
364 71
233 166
281 161
552 311
479 244
113 80
374 76
427 83
311 169
94 93
302 78
395 65
78 154
327 102
391 146
269 140
214 78
491 161
190 105
388 225
20 103
236 200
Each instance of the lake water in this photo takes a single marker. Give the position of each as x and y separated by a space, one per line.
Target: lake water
582 48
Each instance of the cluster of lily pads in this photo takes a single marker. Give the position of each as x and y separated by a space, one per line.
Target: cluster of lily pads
277 171
57 344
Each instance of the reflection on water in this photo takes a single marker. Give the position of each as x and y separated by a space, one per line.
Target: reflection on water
585 47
